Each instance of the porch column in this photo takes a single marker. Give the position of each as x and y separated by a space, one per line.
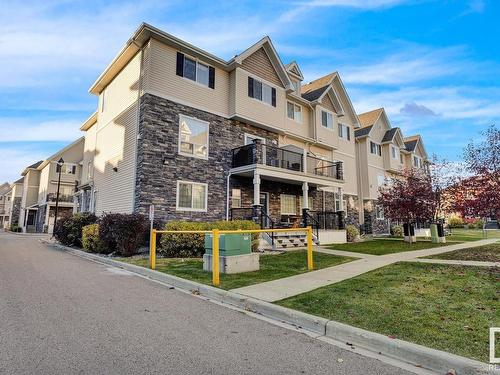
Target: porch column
256 198
305 195
304 161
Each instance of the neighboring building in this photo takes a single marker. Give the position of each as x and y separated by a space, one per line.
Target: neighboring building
47 191
203 139
13 206
382 154
5 190
29 197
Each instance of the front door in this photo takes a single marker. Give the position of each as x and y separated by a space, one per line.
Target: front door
264 202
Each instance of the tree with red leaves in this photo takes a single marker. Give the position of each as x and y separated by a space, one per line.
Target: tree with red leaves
409 197
479 195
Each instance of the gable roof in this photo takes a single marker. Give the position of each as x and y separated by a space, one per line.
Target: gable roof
19 181
389 135
363 131
318 83
89 122
411 142
293 68
315 94
35 165
60 152
369 118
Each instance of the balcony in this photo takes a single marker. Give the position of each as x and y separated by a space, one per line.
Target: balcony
51 197
259 153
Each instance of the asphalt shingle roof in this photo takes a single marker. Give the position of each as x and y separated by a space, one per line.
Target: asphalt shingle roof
389 135
35 165
369 118
410 145
314 94
363 131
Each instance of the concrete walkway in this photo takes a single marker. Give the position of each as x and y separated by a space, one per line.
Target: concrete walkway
291 286
458 262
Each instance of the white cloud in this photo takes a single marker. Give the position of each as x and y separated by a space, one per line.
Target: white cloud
14 159
22 130
361 4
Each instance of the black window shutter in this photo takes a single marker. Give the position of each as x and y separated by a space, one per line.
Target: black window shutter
73 169
58 168
211 77
250 87
180 64
273 96
348 133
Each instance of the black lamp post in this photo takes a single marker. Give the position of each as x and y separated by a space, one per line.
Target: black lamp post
60 164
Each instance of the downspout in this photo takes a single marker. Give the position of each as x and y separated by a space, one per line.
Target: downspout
227 195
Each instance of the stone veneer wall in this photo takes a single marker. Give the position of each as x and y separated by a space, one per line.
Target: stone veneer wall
159 165
40 218
16 211
377 226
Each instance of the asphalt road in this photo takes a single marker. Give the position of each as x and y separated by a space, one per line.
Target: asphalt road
60 314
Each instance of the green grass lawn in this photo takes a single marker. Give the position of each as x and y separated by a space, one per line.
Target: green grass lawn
444 307
471 235
272 267
383 246
486 253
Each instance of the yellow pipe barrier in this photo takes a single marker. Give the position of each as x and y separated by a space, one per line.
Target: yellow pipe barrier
152 250
215 244
215 257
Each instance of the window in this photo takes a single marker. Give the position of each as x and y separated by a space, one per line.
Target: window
67 168
261 91
236 198
337 203
380 180
89 170
417 162
327 119
375 149
193 137
401 158
344 132
288 204
191 196
195 71
394 151
309 202
379 213
294 111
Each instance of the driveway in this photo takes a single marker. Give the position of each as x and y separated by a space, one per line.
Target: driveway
60 314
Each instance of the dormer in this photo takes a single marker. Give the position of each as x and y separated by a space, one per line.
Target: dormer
295 76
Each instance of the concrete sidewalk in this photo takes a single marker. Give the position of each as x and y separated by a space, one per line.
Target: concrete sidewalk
291 286
458 262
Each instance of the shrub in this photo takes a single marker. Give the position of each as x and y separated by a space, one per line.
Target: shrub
91 241
479 224
455 222
193 245
397 231
68 229
15 228
123 232
352 233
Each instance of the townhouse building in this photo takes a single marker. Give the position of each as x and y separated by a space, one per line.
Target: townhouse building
13 199
202 138
382 154
5 191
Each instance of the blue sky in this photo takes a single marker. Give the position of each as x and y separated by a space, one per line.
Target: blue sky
434 65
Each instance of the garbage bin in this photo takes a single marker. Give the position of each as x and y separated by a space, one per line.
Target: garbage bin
440 233
409 232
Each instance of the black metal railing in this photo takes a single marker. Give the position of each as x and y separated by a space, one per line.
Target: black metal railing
309 220
52 197
330 219
259 153
266 222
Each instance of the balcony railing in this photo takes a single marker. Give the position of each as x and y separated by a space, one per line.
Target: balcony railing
51 197
259 153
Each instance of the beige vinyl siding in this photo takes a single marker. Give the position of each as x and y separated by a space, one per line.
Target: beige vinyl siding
30 188
88 153
256 110
116 147
160 79
303 128
258 64
232 93
44 183
326 102
325 135
121 92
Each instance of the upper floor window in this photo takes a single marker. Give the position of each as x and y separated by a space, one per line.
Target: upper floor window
195 71
375 149
379 212
327 119
294 111
401 158
381 181
344 132
191 196
193 137
67 168
417 162
261 91
394 152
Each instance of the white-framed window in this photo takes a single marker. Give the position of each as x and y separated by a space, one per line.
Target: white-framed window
249 138
417 162
344 132
191 196
379 212
67 168
338 207
196 71
375 148
294 111
236 198
381 180
193 137
89 170
288 204
261 91
394 152
327 119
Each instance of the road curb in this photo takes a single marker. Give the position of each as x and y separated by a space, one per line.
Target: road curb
417 355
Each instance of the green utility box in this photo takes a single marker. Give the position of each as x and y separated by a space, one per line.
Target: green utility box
434 233
230 244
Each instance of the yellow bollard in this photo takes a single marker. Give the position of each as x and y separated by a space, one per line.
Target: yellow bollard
152 250
215 257
310 264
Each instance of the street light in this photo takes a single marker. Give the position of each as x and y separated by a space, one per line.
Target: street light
60 164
